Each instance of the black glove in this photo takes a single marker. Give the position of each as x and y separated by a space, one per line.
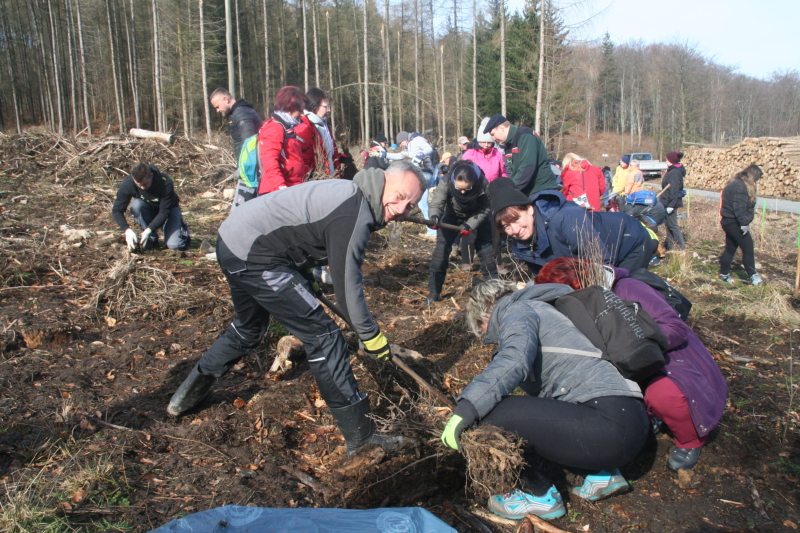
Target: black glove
465 229
434 222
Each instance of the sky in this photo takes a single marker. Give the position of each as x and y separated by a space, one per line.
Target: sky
757 37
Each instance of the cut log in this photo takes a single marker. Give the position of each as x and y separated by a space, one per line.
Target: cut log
146 134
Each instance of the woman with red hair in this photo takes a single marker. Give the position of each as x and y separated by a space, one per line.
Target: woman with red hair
689 392
282 141
584 184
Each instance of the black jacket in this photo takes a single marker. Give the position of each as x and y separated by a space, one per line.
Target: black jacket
736 205
161 195
674 178
243 122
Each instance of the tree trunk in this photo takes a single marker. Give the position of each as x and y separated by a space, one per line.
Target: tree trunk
383 79
160 119
182 68
203 72
503 57
400 122
281 46
229 48
305 45
316 42
359 90
133 61
114 67
84 85
438 104
444 116
146 134
239 51
72 102
367 109
266 55
540 83
416 65
459 80
330 69
47 105
475 68
388 65
9 53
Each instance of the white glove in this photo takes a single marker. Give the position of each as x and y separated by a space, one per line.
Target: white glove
130 239
145 235
670 210
744 229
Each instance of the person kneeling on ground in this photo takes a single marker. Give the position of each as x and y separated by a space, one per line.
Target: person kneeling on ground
154 205
578 412
546 226
689 392
460 200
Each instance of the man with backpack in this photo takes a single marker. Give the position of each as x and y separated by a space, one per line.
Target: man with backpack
527 162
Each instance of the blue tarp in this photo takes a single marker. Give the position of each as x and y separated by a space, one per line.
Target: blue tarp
238 519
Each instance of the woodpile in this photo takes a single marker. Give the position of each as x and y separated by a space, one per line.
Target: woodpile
779 158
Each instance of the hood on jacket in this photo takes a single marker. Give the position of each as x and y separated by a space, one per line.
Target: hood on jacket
543 292
546 204
371 182
241 102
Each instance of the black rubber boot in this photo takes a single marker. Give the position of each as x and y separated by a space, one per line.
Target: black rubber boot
358 429
192 391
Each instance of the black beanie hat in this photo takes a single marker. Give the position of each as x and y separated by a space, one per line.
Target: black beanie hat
502 193
381 138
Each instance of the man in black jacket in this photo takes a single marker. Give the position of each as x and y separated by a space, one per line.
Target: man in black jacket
266 249
154 204
243 120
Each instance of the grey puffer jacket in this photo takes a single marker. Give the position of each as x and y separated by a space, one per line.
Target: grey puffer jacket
543 353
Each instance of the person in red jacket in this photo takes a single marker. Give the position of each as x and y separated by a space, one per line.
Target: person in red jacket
281 142
584 184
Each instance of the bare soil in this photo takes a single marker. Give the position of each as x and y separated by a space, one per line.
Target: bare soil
86 374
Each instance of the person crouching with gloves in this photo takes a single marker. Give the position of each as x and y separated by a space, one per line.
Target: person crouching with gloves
266 248
460 200
154 205
579 411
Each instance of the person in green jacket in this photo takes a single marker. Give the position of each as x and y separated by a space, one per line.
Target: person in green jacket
527 162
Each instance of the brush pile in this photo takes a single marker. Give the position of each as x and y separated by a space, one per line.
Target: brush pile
778 157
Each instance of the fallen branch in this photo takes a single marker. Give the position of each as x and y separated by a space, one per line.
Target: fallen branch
470 518
532 523
494 518
146 134
306 479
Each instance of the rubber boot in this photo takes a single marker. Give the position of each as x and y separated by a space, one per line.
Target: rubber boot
358 429
192 391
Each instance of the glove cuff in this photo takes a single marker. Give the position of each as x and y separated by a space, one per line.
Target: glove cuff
466 411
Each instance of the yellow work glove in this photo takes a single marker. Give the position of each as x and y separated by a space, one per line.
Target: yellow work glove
378 347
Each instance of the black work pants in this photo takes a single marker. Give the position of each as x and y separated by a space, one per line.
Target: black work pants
734 238
444 244
602 434
258 291
674 238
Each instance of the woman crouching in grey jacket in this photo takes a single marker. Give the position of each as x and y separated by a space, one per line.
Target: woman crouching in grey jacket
578 412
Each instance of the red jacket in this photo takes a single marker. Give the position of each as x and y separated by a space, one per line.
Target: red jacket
582 178
281 152
318 148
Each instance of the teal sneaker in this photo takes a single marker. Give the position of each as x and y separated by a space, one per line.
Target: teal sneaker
517 504
602 485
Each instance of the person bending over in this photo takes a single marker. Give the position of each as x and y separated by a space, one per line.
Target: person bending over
578 411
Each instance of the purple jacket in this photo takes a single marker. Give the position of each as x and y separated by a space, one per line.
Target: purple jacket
688 362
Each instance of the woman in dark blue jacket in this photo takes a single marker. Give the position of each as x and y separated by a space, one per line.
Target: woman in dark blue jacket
672 198
546 226
737 210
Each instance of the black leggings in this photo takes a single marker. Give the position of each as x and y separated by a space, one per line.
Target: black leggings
602 434
733 240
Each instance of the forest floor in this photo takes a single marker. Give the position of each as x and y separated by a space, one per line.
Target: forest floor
95 340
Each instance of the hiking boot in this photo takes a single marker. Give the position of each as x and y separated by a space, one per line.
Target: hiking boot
358 429
683 458
517 504
726 278
655 424
602 485
755 280
432 297
655 261
192 391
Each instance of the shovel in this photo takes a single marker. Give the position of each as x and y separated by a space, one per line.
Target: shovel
396 360
427 222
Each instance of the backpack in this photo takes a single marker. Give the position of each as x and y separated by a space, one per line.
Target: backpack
434 157
250 162
628 337
642 198
674 298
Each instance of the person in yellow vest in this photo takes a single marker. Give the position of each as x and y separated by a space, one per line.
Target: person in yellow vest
620 175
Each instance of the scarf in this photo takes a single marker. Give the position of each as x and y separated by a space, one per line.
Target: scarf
327 140
287 119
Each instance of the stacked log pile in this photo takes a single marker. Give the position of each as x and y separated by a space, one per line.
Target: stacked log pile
778 157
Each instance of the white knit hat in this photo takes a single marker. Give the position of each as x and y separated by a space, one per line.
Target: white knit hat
484 137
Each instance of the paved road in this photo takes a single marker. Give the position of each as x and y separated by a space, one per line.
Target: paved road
773 204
